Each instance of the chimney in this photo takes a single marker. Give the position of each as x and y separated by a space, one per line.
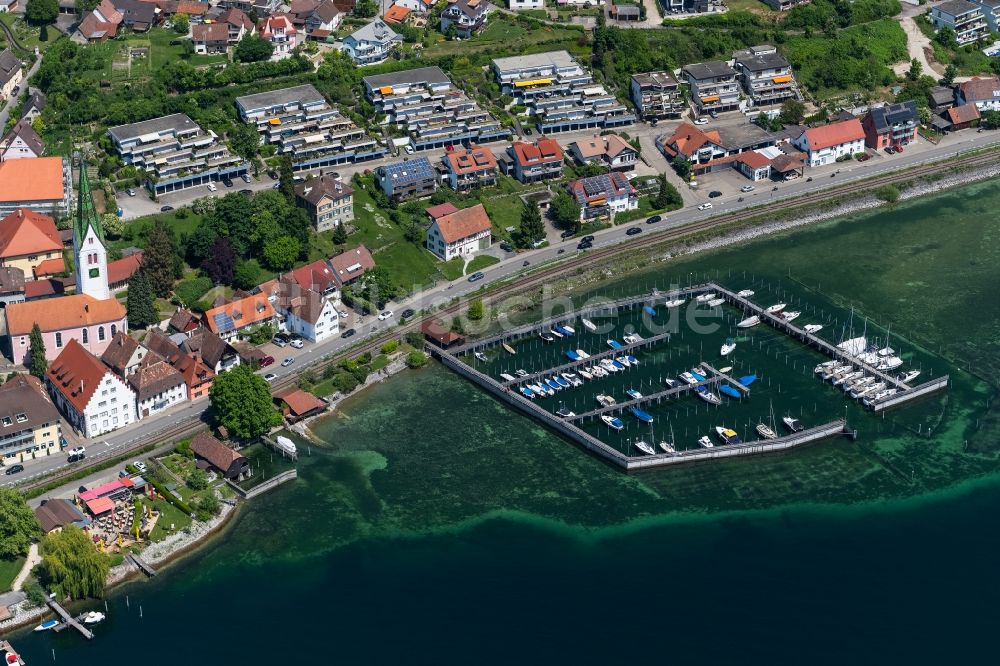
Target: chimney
86 307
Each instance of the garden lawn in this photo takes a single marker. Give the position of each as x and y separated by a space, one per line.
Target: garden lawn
453 269
504 212
506 33
169 514
8 572
480 262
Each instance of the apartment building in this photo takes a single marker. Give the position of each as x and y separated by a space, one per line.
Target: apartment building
327 200
603 196
823 145
409 179
964 17
41 184
92 398
991 13
472 168
891 125
533 162
683 6
657 95
468 16
766 75
713 87
29 422
372 43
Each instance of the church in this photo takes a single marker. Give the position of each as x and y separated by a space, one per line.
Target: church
91 316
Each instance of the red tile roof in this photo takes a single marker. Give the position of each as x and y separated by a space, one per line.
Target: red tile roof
299 402
318 276
100 505
396 14
76 374
66 312
351 265
542 151
25 232
447 208
42 289
753 159
243 311
473 160
688 139
464 223
123 269
31 179
835 134
959 115
50 267
980 88
210 32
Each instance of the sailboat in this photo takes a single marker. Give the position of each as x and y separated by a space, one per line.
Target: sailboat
745 293
728 347
48 624
716 302
749 322
480 356
674 303
767 431
668 447
708 396
645 448
589 325
507 348
731 391
705 298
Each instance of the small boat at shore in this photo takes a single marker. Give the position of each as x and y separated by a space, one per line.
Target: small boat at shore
747 380
705 298
907 377
765 431
608 365
675 303
572 379
645 448
745 293
582 354
564 413
716 302
706 442
285 444
708 396
624 361
671 383
889 363
728 347
605 400
572 355
632 338
527 392
552 384
726 369
521 372
632 359
93 617
667 447
613 422
793 424
553 332
545 337
688 378
749 322
589 325
507 348
567 329
727 435
480 356
561 382
48 624
585 374
813 328
775 309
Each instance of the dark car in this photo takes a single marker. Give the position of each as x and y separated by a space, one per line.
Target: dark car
567 234
407 313
654 219
632 231
475 277
164 209
527 131
266 361
272 174
714 193
584 245
587 239
348 333
864 157
75 457
506 247
14 469
228 182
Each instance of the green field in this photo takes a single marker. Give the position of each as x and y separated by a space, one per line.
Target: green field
8 572
511 36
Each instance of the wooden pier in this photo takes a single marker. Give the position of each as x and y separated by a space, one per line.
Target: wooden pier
657 397
68 621
141 564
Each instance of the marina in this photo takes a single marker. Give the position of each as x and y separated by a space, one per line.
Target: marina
631 370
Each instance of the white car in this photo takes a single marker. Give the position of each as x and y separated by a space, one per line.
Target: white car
701 121
705 206
212 187
297 344
270 377
746 188
139 465
246 178
343 315
76 451
408 149
385 314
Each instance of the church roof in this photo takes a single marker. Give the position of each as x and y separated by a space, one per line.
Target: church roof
86 214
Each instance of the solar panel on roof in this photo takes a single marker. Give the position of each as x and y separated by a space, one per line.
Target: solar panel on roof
223 322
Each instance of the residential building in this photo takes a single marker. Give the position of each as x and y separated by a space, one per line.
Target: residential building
604 195
308 313
282 35
396 14
123 354
766 75
301 124
328 201
197 376
210 37
609 150
961 117
559 92
823 145
318 276
657 95
12 287
120 271
175 153
33 106
418 6
210 349
101 23
258 7
372 43
784 5
296 404
157 386
991 13
471 168
29 422
323 20
891 125
468 16
982 91
20 142
410 179
520 5
350 265
216 456
462 233
964 17
238 25
27 239
140 16
184 321
717 149
41 184
713 87
233 319
11 74
941 97
55 514
8 6
433 112
93 399
533 162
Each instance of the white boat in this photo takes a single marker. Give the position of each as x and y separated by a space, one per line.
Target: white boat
93 617
585 374
480 355
633 393
667 447
554 333
890 363
688 378
509 378
48 624
569 329
582 354
706 441
857 384
716 302
726 369
565 413
598 371
632 338
507 348
907 377
854 346
675 303
645 448
545 337
608 365
848 377
749 322
708 396
705 298
813 328
765 431
285 444
521 372
605 400
572 379
886 351
727 435
624 361
834 371
612 421
793 424
789 316
745 293
879 397
775 309
728 347
589 325
870 389
823 366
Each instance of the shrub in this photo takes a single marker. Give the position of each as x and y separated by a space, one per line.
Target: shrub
171 498
416 359
184 448
390 347
415 339
197 480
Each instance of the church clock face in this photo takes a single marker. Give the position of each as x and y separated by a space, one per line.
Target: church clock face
94 272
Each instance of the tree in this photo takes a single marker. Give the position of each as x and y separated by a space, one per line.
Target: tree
221 261
246 274
888 193
531 228
946 38
280 254
286 178
41 12
990 118
681 167
451 33
667 195
206 507
365 8
197 479
160 259
86 6
340 234
18 525
37 363
253 49
378 283
793 112
416 359
181 24
916 69
114 226
565 211
244 140
476 309
950 72
241 401
141 301
71 565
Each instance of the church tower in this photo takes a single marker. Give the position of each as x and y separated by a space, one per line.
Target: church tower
89 252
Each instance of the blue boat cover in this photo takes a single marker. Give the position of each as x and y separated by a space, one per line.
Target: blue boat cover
730 391
641 415
563 330
747 380
617 364
527 392
614 344
573 356
698 376
648 310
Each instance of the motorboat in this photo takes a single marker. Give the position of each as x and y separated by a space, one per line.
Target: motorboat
745 293
507 377
93 617
869 389
632 360
614 344
790 316
708 396
889 363
849 377
706 442
605 400
582 354
716 302
285 444
48 624
688 378
728 435
535 388
879 397
854 346
726 369
907 377
480 356
572 355
624 361
633 393
813 328
834 370
609 365
645 448
823 366
747 380
613 422
562 382
617 365
705 298
565 413
671 383
567 329
553 332
553 385
728 347
589 325
675 303
527 392
598 371
731 391
507 348
521 372
857 384
774 309
585 374
640 414
8 655
749 322
649 310
632 338
793 424
572 378
546 337
765 431
841 372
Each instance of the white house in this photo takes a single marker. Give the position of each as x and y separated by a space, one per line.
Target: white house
517 5
419 6
21 141
279 31
604 195
157 385
92 398
371 43
307 313
461 233
825 144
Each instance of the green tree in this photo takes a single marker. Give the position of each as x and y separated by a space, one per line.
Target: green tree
476 309
990 118
197 479
114 226
281 253
565 211
668 196
340 234
244 140
888 193
378 283
451 33
41 12
253 49
531 227
85 6
286 178
915 70
246 274
37 363
18 525
71 566
141 301
793 112
681 167
241 401
950 72
181 24
160 259
207 506
366 8
416 359
946 38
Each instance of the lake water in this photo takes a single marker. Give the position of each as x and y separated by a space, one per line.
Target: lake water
436 526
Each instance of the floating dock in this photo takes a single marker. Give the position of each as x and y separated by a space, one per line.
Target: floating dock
68 621
141 564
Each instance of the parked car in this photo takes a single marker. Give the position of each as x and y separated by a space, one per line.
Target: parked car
587 239
899 149
272 174
270 377
701 121
705 206
212 187
632 231
14 469
527 131
475 277
131 192
141 466
890 150
266 361
863 157
342 314
228 182
246 178
407 313
714 194
567 234
297 344
385 314
77 451
77 457
584 245
746 188
653 220
348 333
506 247
287 362
164 209
409 149
279 341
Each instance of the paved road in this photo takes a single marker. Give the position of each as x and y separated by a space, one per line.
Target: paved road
366 327
12 102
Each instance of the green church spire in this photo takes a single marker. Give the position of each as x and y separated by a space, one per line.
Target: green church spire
86 214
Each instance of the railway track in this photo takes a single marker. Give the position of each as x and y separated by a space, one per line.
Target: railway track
546 273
